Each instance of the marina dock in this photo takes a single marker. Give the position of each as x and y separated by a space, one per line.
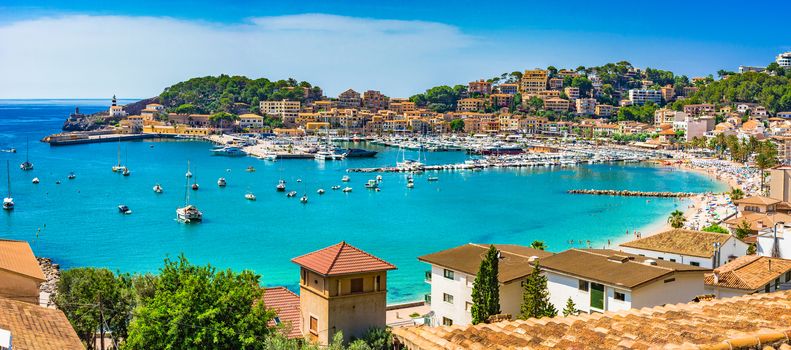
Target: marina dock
79 138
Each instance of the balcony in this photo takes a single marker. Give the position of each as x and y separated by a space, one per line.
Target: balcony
427 298
427 277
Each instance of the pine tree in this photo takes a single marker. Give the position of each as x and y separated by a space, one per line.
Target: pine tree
535 296
486 288
571 308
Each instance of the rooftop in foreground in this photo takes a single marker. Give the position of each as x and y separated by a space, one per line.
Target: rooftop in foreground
680 241
37 328
747 322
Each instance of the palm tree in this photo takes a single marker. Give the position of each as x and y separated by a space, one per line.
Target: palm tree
676 219
538 245
736 194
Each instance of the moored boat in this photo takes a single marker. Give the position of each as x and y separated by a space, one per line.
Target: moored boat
36 180
221 182
8 202
371 184
291 194
123 209
281 186
249 196
320 191
347 189
304 199
157 188
345 178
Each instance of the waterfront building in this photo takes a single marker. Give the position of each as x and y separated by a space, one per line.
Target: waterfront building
501 100
641 96
586 106
572 92
349 99
600 280
698 127
115 110
511 89
191 120
374 100
668 116
20 274
470 104
533 82
602 110
706 323
480 87
748 274
695 248
341 288
25 326
783 144
453 272
284 109
784 59
251 121
557 104
177 129
699 109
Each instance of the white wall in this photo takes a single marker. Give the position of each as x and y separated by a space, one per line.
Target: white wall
561 287
687 286
731 247
458 287
766 242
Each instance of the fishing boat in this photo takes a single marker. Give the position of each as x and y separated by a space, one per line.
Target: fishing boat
36 180
281 186
347 189
221 182
27 165
124 209
304 199
291 194
320 191
188 213
345 178
371 184
157 188
72 176
249 196
8 202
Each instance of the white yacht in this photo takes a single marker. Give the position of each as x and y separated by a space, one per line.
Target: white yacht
345 178
320 191
188 213
249 196
304 199
71 176
281 186
157 188
188 174
27 165
291 194
36 180
347 189
336 187
8 202
221 182
124 209
118 167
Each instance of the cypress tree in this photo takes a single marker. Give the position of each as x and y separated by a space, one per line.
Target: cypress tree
486 288
535 296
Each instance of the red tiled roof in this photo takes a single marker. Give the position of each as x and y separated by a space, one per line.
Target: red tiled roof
341 259
37 328
17 257
286 304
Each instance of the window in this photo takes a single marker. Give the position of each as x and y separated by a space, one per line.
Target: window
467 306
777 283
314 325
583 285
670 280
788 276
357 285
694 263
378 283
620 296
767 288
447 322
661 258
672 260
448 274
277 320
447 298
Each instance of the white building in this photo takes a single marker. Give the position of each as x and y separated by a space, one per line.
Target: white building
776 246
696 248
453 273
599 280
641 96
749 274
286 110
251 121
784 59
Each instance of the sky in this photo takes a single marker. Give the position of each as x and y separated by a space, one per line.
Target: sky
134 49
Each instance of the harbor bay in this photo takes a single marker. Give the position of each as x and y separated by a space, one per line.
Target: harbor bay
77 223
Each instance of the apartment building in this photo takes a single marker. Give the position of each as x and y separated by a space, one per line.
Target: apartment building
750 274
699 109
402 107
695 248
572 93
784 59
555 83
374 100
251 121
586 106
641 96
557 104
286 110
511 89
480 87
668 93
350 99
533 82
604 111
470 104
501 100
453 272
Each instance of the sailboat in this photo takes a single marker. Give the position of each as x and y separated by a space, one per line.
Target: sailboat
27 165
8 202
189 173
126 171
118 167
188 213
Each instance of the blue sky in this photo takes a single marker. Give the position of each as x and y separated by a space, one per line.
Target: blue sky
134 49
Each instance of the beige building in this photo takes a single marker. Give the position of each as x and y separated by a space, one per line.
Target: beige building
374 100
557 104
586 106
533 82
251 121
481 87
511 89
604 110
286 110
349 99
572 92
402 107
20 274
470 104
780 183
341 288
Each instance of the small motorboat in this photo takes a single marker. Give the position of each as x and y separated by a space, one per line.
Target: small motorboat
291 194
157 188
410 185
188 174
345 178
126 172
347 189
195 186
281 186
124 209
433 178
72 176
303 199
250 169
57 182
221 182
320 191
299 180
371 184
36 180
336 187
378 178
249 196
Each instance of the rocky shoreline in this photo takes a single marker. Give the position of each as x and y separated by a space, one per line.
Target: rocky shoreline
628 193
48 289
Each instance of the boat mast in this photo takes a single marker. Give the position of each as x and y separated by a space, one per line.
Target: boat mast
27 150
8 175
187 188
119 151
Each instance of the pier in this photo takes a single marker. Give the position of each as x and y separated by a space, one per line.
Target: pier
627 193
78 138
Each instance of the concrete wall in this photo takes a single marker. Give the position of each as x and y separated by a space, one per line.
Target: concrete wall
460 287
354 314
687 286
18 287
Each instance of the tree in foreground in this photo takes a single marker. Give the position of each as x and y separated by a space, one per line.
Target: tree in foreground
535 296
676 219
486 288
378 338
196 307
95 300
570 309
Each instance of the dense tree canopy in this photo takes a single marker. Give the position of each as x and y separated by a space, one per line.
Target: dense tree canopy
772 92
440 98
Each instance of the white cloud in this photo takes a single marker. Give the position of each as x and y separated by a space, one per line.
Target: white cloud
96 56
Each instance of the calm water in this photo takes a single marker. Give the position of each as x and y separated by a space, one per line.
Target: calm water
80 225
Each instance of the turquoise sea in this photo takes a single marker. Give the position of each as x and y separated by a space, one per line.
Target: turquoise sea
78 223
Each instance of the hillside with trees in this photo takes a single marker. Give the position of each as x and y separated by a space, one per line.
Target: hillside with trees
772 92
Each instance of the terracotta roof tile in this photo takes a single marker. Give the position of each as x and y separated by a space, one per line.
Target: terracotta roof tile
286 304
17 257
680 241
750 272
34 327
742 322
467 258
759 221
341 259
760 200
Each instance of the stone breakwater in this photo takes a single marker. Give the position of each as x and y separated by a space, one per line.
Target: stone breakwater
628 193
49 287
